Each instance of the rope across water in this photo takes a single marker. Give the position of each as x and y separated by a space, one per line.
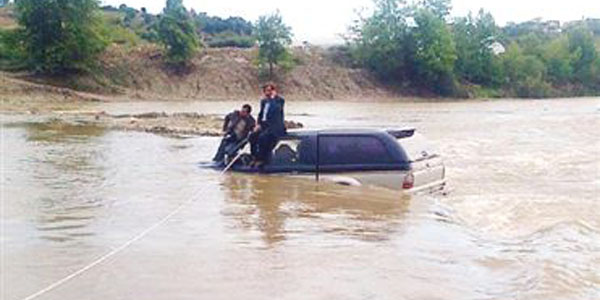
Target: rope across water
117 250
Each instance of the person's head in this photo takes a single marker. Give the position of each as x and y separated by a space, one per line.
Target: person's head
270 90
246 110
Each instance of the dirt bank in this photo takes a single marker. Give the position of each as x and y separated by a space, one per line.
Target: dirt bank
215 74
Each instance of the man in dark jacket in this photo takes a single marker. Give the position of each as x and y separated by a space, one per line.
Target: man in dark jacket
236 128
270 126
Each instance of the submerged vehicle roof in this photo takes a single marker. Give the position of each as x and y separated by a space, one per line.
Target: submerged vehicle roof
398 133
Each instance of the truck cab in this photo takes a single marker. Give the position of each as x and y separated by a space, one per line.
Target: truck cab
398 159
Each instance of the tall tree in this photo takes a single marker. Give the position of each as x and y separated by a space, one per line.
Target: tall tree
273 38
583 49
177 32
379 41
525 73
440 8
558 59
433 53
60 35
474 39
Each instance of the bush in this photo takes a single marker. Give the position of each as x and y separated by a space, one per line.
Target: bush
11 49
113 32
60 36
525 73
231 39
177 32
273 38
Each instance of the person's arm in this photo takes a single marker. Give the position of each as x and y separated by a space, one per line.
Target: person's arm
282 109
282 112
261 112
226 123
251 124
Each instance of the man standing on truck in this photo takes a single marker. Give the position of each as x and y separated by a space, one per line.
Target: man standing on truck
236 128
271 125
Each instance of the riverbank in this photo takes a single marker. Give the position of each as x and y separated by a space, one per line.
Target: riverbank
59 107
214 74
66 102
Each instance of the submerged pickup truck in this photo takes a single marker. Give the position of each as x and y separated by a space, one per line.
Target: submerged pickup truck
398 159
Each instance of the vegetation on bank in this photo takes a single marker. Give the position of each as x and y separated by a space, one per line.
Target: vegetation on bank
59 36
176 32
411 46
66 36
417 44
273 38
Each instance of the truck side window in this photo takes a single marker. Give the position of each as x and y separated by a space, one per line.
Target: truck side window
349 150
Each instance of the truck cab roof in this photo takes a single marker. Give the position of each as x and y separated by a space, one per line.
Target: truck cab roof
397 133
338 150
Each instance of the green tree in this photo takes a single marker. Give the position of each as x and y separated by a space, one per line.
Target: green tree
177 33
407 43
273 38
11 49
440 8
558 60
525 73
582 47
433 53
412 43
474 38
379 41
60 35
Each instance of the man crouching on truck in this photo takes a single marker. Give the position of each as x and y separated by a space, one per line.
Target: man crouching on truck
236 127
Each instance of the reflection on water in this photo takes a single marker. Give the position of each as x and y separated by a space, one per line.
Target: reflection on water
51 176
521 219
57 131
281 208
68 173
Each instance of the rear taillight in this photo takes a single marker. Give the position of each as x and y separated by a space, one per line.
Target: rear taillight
409 181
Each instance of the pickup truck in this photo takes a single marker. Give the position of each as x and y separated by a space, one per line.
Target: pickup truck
398 159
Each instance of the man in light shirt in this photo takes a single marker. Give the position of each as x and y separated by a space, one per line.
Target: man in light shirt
236 128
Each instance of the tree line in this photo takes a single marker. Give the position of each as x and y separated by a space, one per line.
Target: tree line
65 36
418 45
213 31
411 45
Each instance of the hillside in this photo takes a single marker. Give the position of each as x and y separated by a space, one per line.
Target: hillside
134 68
534 59
216 74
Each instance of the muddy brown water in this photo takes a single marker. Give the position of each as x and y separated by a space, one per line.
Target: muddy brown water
521 219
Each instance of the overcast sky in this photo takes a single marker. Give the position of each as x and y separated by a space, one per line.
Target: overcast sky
321 21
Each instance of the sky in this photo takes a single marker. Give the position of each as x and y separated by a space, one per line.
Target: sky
322 21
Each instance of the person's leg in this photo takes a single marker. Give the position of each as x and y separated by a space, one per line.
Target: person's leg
272 142
253 139
266 143
220 155
234 147
261 145
223 147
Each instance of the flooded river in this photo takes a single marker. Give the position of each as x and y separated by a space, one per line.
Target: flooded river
89 213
